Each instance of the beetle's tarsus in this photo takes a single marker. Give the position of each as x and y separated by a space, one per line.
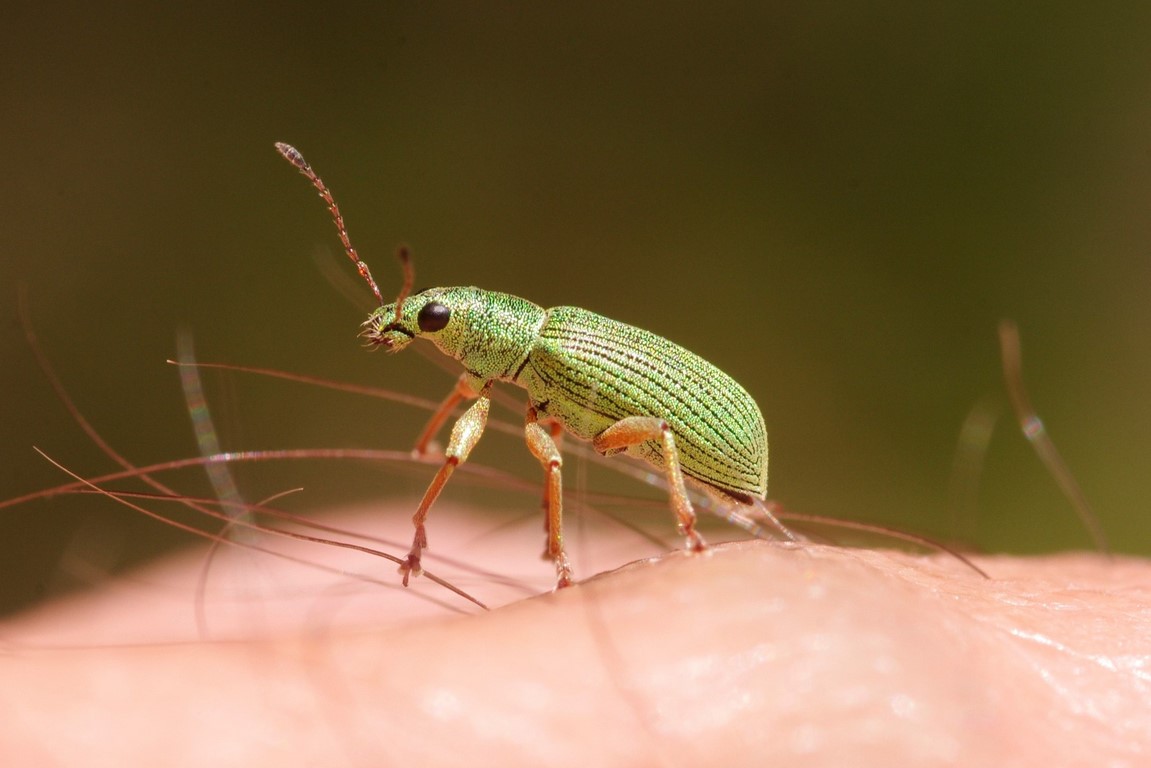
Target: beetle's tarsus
411 567
564 576
695 542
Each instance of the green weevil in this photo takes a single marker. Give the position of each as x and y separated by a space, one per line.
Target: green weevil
625 389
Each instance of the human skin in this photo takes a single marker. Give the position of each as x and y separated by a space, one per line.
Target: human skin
750 653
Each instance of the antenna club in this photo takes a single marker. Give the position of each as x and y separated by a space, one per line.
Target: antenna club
293 156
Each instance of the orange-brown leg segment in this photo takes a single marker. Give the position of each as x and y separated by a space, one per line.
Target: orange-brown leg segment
462 391
465 434
543 446
556 431
634 430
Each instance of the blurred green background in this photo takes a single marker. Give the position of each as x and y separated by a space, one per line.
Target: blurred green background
834 202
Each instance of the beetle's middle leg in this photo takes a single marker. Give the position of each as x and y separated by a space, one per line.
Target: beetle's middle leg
543 446
465 434
634 430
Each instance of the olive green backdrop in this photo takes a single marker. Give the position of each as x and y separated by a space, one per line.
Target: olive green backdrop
834 202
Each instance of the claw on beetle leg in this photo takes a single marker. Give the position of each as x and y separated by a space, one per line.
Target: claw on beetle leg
564 576
695 542
411 565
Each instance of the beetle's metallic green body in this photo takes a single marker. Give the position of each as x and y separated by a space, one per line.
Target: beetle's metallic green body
587 372
623 388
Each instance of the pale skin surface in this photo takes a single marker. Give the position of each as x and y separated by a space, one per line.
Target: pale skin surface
747 654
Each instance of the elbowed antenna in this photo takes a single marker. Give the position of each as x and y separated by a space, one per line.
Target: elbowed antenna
293 156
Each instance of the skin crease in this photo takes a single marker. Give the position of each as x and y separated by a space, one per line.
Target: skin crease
751 653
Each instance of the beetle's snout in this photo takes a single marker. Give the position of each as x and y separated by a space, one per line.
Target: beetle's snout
391 337
388 339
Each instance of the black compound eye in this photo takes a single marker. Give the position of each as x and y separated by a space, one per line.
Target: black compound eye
433 317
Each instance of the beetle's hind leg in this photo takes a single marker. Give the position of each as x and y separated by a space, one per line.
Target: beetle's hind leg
634 430
542 444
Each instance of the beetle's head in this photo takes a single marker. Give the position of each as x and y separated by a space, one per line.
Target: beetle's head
393 326
421 314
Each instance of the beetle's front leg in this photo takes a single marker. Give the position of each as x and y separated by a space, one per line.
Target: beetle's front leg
634 430
543 446
460 392
465 434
